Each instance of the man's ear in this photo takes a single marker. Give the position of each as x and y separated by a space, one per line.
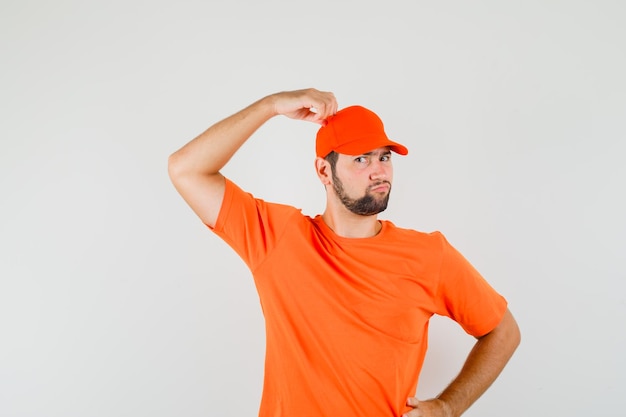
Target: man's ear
323 170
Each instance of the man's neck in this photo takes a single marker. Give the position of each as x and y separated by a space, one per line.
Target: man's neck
348 224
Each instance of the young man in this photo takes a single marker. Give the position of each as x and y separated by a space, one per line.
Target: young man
346 297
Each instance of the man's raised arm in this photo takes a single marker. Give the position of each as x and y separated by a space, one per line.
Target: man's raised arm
194 168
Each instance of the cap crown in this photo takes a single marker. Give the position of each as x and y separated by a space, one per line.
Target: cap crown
354 130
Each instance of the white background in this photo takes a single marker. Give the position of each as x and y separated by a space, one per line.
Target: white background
116 301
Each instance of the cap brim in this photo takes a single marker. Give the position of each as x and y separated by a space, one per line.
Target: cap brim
399 149
361 147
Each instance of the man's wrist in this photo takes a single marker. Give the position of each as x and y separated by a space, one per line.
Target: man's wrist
447 406
268 105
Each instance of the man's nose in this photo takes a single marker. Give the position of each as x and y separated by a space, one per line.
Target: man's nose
379 170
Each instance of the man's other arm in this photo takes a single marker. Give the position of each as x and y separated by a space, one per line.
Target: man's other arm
483 365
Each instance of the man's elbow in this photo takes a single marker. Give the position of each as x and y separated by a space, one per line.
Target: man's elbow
517 338
174 166
509 331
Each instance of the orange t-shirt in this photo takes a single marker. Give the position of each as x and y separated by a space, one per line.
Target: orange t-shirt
347 319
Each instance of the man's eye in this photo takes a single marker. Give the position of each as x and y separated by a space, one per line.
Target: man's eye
385 158
360 159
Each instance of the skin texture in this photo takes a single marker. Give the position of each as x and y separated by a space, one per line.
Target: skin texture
357 189
376 195
361 178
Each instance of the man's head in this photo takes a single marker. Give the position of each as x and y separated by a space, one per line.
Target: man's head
357 151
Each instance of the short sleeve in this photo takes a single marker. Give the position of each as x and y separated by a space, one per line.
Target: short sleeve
249 225
465 296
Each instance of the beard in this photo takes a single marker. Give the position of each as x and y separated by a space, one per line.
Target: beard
368 205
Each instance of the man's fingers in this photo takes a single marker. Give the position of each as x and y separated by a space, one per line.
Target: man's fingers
412 402
326 109
308 104
321 111
324 103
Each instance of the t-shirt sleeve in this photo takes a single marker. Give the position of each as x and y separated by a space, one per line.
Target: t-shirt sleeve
465 296
249 225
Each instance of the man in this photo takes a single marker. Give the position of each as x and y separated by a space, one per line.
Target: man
346 297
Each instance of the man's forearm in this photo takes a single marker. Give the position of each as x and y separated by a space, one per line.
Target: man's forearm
211 150
483 365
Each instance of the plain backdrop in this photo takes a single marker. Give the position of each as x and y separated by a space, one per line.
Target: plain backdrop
116 301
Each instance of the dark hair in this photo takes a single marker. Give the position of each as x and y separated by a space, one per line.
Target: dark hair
332 159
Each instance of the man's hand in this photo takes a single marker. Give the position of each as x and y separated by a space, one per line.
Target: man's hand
428 408
309 104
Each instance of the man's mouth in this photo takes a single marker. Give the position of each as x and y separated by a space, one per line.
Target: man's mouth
380 187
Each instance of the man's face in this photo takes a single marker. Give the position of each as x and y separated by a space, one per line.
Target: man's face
363 182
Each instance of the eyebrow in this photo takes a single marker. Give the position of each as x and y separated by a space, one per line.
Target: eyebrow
386 152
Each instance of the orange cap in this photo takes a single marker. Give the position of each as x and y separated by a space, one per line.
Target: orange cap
354 130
